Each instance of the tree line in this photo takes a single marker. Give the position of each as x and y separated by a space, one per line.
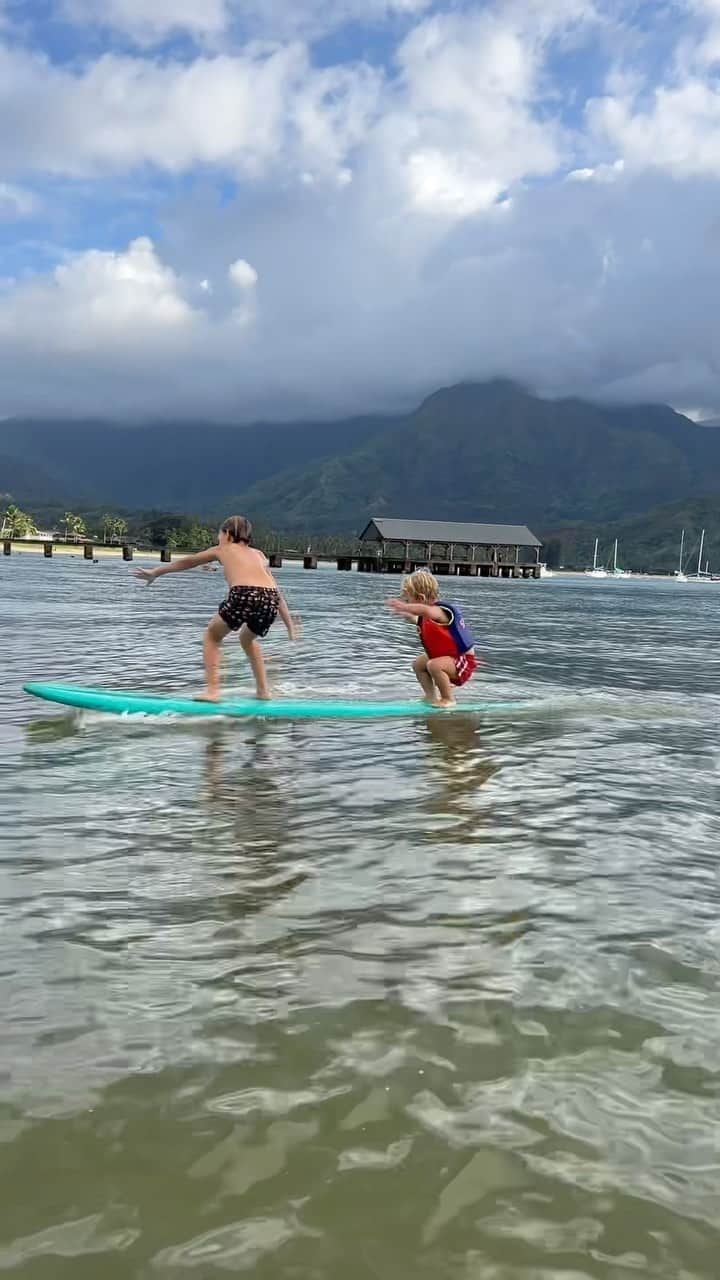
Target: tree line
21 524
161 529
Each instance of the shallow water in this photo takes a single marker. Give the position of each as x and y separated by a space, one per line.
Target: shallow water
411 998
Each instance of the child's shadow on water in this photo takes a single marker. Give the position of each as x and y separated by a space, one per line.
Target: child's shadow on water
239 781
461 766
255 812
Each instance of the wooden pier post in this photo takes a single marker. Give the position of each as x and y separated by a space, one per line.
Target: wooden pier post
7 547
310 562
127 552
536 571
88 551
47 550
165 555
275 560
344 563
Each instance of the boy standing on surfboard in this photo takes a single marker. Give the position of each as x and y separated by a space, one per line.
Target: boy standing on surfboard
251 606
449 658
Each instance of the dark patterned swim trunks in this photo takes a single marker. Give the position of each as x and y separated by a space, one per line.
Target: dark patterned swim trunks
257 606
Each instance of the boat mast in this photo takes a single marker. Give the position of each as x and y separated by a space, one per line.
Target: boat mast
595 554
682 544
615 558
702 540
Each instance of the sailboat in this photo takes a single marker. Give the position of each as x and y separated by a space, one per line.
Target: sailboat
680 575
618 573
597 571
702 575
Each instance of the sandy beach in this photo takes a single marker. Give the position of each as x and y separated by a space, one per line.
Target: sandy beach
73 549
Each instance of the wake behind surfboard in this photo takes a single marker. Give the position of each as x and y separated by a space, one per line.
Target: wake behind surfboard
149 704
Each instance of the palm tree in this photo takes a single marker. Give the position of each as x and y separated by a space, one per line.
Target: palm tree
17 523
74 526
113 528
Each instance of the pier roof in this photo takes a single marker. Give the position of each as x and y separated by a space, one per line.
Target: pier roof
380 529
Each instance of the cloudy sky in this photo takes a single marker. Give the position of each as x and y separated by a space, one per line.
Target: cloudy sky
275 208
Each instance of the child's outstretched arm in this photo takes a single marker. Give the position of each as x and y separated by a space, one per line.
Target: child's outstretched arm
177 566
414 609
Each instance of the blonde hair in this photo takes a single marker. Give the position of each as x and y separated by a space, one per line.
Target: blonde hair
422 586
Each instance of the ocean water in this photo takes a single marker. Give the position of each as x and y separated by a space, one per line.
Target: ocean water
364 999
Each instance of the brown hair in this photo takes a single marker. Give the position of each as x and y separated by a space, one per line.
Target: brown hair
238 528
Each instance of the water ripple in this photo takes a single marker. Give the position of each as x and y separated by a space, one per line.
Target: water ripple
435 998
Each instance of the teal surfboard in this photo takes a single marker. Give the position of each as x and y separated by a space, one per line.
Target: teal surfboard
153 704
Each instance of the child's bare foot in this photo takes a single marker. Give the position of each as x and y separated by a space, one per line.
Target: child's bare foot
263 695
210 695
445 702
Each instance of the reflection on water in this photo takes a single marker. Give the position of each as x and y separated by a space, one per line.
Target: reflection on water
428 998
459 765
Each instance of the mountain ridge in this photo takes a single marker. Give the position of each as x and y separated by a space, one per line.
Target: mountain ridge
491 451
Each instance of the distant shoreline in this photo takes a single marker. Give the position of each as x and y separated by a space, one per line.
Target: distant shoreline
637 577
104 552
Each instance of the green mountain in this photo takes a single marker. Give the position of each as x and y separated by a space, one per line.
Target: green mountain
495 452
185 467
28 478
489 451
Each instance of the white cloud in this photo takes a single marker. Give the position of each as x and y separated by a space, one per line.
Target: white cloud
242 274
97 300
467 127
462 117
15 202
599 173
666 115
382 253
148 21
266 108
701 48
677 131
565 290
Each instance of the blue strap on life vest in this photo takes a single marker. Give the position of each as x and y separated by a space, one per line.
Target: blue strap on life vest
458 627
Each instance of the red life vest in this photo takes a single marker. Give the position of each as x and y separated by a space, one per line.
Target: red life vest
449 641
436 639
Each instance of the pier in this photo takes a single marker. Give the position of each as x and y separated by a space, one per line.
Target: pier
450 548
385 546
